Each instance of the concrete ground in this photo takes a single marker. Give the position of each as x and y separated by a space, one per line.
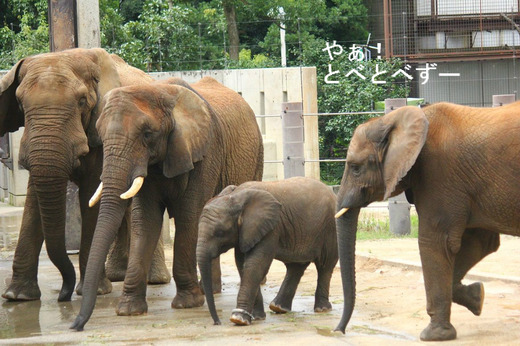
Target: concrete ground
390 306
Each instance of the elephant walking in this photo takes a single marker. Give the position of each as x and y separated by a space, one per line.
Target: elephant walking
172 146
290 220
57 97
459 166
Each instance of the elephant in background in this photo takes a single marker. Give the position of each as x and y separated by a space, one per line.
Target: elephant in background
459 166
173 146
57 97
290 220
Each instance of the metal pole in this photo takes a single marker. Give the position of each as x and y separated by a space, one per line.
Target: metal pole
293 139
398 206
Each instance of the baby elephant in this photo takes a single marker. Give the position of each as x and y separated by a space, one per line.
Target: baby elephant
291 220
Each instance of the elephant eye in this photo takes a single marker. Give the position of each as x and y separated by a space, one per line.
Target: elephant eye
147 135
82 101
355 169
219 233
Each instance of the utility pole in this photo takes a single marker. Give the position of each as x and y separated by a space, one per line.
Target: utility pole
62 25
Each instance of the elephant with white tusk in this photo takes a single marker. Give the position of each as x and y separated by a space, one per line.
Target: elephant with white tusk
459 165
57 98
172 146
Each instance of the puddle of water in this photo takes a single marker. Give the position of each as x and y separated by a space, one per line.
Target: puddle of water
9 229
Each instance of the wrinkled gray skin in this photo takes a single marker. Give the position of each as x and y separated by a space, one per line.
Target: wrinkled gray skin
188 143
459 165
57 97
290 220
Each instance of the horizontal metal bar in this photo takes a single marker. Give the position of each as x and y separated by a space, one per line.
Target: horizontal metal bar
327 160
342 113
323 114
309 160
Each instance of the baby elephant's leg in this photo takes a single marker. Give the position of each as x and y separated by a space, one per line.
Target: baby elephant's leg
282 303
321 297
252 269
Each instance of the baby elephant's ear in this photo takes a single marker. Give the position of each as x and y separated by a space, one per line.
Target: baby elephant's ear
260 215
227 190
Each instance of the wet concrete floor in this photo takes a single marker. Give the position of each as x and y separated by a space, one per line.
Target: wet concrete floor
390 307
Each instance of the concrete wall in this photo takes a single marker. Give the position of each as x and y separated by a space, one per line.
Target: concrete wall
263 89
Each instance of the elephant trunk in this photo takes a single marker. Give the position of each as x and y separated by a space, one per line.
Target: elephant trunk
346 229
51 190
204 261
111 212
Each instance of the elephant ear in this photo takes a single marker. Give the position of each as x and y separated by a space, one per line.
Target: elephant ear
108 80
227 190
189 141
408 128
261 213
11 116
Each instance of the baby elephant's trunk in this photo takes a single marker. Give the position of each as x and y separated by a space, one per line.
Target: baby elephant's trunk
205 272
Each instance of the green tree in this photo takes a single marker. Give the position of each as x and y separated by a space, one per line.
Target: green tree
24 32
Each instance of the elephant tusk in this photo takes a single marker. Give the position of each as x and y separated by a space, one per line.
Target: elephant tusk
340 213
97 196
134 189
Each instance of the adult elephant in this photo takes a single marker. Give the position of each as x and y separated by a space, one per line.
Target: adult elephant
189 142
57 97
459 166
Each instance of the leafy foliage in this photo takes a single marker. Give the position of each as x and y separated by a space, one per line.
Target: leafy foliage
27 33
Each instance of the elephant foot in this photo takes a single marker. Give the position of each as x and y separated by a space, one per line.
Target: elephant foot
159 274
325 306
279 308
241 317
104 287
471 296
437 332
185 299
18 291
131 306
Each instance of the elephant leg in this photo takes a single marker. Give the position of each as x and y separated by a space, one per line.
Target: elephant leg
159 273
189 294
475 245
258 308
437 263
117 260
24 282
321 297
88 225
282 303
147 218
249 300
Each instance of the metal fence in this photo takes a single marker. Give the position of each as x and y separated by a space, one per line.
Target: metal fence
293 137
423 30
